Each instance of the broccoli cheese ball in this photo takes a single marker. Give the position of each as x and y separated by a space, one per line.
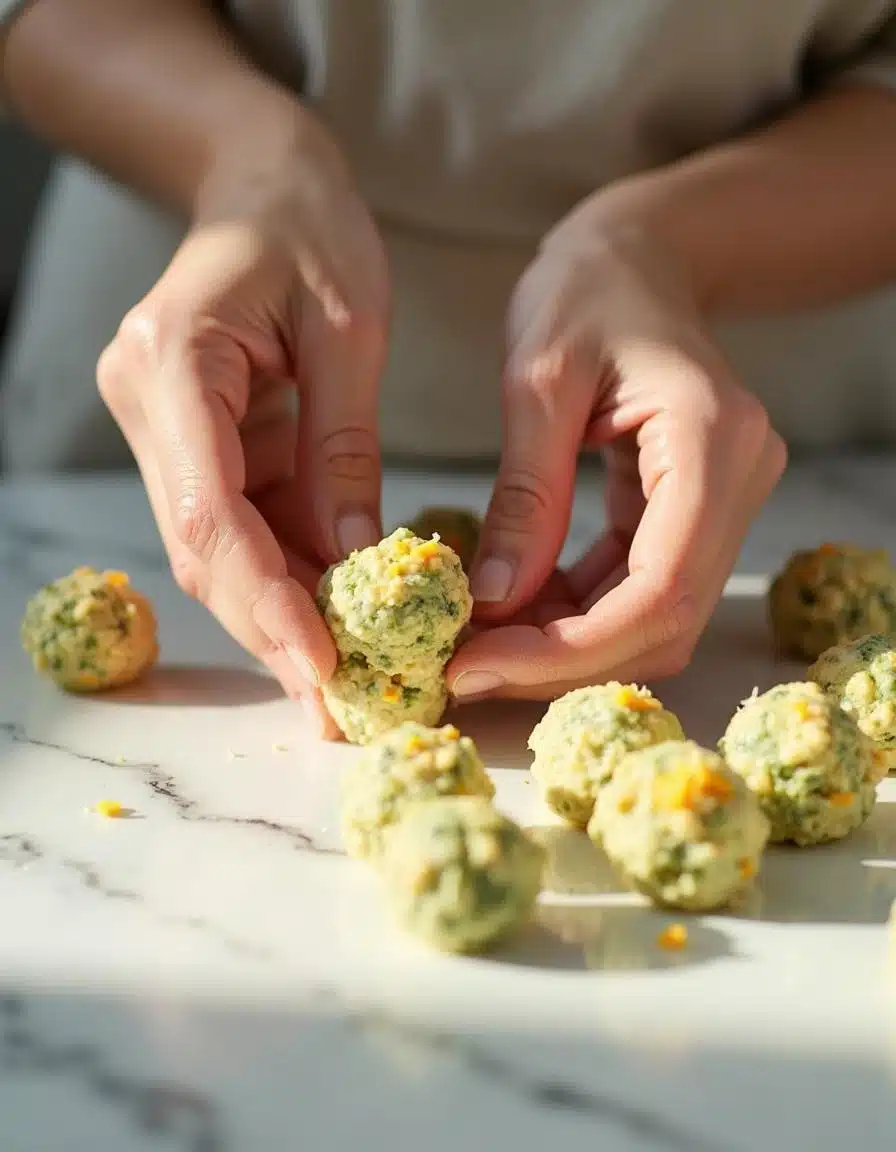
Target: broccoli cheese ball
812 769
584 735
680 826
459 528
366 703
459 874
90 631
861 678
833 595
406 764
399 604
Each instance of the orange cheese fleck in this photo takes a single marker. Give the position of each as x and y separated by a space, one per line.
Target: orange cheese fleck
391 693
746 867
111 809
673 938
841 799
686 788
628 697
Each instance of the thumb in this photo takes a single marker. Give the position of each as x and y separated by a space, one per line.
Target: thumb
339 452
546 404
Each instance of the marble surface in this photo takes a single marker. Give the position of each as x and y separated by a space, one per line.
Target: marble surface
212 974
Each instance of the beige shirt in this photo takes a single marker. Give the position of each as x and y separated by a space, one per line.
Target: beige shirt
472 126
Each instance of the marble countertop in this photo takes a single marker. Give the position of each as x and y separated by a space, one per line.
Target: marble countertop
213 975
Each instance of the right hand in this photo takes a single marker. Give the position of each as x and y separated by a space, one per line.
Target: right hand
280 291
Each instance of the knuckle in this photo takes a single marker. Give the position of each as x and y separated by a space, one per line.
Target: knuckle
749 420
351 454
113 383
363 328
142 332
777 456
195 526
522 499
674 617
540 374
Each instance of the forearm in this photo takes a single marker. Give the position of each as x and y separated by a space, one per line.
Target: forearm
153 92
800 214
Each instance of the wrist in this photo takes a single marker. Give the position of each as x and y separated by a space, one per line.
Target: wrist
646 217
263 141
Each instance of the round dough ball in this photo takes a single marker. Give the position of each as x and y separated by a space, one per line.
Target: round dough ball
459 528
365 703
833 595
861 678
584 735
409 763
812 769
680 826
90 631
400 604
459 874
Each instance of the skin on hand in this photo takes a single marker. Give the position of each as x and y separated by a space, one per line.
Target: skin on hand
246 385
607 350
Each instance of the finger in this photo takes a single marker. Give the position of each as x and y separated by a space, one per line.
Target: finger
194 581
522 663
338 454
600 565
191 422
546 407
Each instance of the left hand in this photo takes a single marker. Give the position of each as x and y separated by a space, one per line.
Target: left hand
607 349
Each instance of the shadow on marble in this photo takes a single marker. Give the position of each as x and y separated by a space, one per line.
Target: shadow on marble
852 881
611 938
199 686
735 656
574 865
136 1073
500 728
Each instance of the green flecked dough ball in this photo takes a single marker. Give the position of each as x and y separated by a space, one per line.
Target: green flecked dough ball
680 826
90 631
460 875
400 605
365 703
404 765
812 769
584 735
861 678
831 595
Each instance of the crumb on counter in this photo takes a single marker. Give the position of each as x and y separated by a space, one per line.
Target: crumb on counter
110 809
280 747
673 938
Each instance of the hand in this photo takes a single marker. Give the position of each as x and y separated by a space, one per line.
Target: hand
607 349
246 385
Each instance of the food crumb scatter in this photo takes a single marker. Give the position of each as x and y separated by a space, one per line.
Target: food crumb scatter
673 938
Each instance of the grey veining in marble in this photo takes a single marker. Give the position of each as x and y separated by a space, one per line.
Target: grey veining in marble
212 974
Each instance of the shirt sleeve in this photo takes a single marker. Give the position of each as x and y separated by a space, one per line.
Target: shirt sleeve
876 64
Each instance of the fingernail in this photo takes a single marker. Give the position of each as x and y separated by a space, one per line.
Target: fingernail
304 666
357 530
475 683
492 580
